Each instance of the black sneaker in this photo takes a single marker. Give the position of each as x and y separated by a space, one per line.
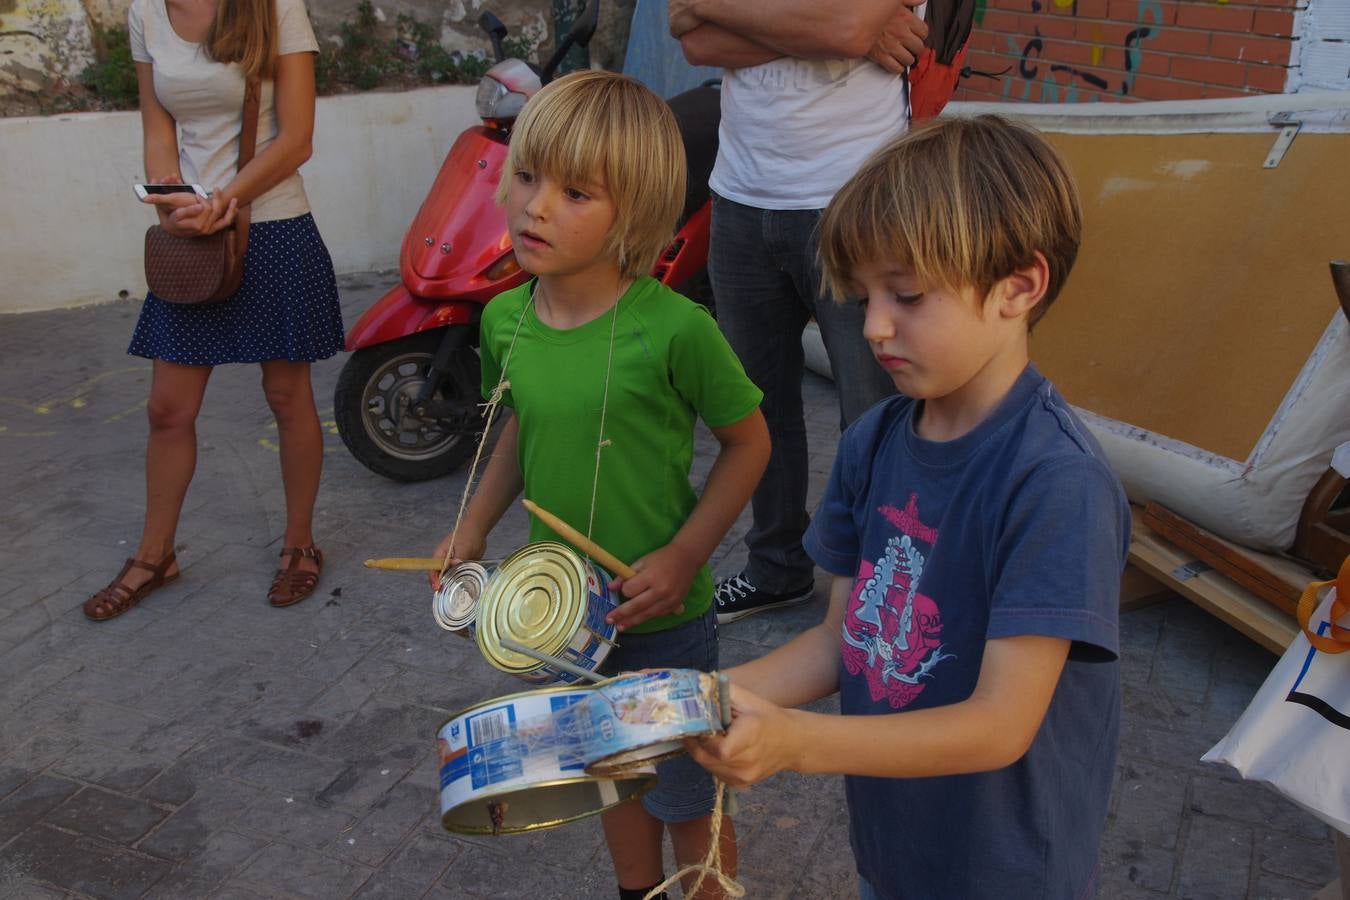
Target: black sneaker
737 597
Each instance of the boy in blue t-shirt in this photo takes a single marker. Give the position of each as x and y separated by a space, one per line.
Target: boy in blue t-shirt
976 537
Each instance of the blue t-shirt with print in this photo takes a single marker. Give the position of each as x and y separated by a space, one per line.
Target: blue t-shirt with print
1016 528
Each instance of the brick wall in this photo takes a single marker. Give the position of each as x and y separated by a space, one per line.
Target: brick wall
1088 50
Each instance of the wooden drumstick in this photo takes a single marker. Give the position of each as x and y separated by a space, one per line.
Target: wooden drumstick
581 542
406 564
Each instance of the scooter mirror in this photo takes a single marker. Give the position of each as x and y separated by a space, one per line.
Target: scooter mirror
496 32
581 32
583 28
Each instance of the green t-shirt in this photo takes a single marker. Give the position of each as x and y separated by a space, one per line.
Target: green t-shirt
670 365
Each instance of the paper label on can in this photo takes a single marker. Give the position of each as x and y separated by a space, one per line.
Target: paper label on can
494 746
647 708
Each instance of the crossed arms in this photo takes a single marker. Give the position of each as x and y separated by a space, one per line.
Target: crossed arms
738 33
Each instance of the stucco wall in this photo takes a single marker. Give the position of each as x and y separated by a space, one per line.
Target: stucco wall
68 180
45 41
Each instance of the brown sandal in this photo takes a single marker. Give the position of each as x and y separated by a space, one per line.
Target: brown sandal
293 584
117 598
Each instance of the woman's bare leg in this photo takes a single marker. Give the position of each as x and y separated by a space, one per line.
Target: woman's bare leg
176 393
291 396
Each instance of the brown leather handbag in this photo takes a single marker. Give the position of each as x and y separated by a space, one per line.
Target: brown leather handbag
205 269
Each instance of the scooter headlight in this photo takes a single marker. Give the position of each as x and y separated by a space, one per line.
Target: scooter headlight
495 101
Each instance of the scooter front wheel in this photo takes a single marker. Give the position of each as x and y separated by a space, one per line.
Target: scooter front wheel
373 405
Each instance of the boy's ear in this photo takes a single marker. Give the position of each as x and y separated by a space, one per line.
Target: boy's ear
1018 293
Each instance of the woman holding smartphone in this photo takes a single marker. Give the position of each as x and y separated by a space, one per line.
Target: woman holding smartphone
193 58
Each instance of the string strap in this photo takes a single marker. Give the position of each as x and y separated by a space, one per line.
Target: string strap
489 414
601 442
710 864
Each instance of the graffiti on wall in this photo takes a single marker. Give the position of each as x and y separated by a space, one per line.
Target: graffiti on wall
1061 82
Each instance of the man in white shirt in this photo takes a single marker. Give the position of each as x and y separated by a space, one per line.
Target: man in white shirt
810 90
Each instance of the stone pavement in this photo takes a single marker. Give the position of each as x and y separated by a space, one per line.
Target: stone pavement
207 745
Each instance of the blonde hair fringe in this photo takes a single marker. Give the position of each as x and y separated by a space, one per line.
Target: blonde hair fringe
595 123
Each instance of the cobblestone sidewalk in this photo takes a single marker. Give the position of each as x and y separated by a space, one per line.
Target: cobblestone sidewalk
205 745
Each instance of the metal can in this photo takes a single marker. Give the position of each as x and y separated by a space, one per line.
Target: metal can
455 605
550 598
641 718
516 764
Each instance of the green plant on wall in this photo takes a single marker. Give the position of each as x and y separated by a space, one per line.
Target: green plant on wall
360 62
369 55
368 58
112 77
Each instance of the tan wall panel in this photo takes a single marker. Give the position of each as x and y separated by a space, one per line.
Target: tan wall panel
1202 286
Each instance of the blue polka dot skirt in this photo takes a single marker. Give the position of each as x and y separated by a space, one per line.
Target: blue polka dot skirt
286 307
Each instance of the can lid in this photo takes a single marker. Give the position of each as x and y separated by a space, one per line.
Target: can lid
456 604
537 598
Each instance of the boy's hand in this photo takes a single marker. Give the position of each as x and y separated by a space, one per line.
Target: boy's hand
467 546
659 587
760 742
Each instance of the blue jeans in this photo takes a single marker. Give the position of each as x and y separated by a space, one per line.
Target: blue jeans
766 284
684 790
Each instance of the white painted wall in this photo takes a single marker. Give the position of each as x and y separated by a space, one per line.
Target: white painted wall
71 230
1323 47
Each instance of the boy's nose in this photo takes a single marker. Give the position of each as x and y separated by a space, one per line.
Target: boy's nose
536 207
540 202
876 325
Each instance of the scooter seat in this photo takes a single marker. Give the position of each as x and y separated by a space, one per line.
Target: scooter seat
698 112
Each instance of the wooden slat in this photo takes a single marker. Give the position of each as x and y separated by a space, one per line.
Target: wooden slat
1211 591
1280 588
1138 589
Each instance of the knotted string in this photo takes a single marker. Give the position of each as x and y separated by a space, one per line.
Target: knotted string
711 864
489 413
602 442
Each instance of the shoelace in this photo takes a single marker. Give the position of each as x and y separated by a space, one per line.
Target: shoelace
738 586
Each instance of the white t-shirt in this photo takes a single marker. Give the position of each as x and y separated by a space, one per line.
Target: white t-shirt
794 130
206 99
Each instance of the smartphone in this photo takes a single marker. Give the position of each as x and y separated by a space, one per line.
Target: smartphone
145 190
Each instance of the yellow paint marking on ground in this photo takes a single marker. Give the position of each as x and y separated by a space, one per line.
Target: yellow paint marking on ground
76 399
126 412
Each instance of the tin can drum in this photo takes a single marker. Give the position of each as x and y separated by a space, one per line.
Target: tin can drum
547 597
504 770
641 718
455 605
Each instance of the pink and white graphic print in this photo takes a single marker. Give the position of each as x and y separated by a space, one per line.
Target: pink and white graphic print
891 632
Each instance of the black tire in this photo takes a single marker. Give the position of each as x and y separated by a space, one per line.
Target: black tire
377 378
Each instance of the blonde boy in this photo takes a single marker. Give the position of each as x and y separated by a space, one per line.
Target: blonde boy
976 538
600 355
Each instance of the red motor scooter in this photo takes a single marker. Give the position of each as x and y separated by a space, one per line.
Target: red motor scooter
407 401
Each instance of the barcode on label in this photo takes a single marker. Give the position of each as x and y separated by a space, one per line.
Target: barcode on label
489 726
692 709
